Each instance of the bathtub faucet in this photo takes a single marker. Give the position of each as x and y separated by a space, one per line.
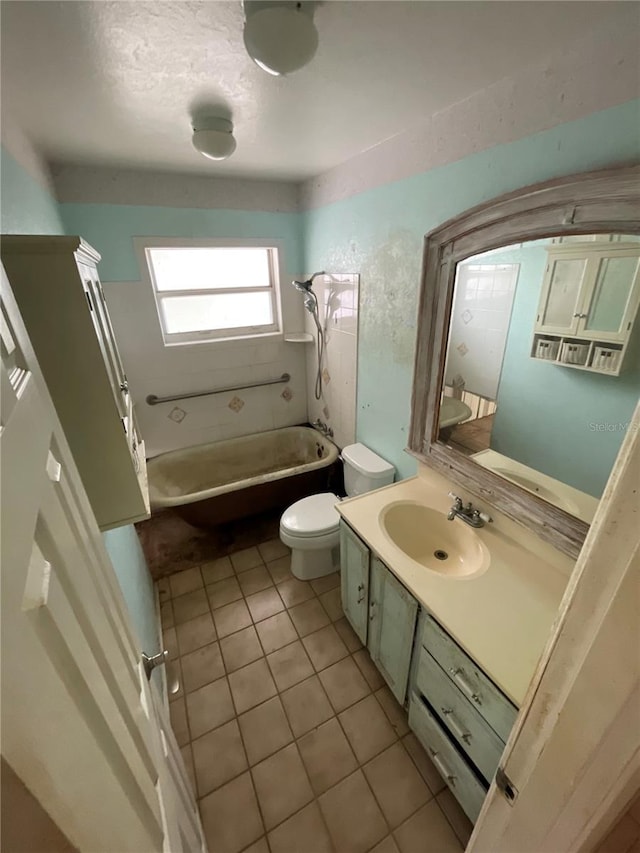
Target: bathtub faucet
323 428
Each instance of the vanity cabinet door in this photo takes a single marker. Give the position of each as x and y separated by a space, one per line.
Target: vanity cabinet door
354 573
393 613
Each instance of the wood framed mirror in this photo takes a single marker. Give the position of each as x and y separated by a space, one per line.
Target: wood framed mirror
527 365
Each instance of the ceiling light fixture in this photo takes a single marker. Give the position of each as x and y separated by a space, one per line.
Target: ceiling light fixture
213 137
280 35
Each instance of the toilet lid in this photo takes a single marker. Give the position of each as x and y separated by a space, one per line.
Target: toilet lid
312 516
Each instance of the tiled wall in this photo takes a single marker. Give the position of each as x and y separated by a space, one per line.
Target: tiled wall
338 297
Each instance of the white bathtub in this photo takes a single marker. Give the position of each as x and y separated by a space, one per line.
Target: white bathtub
213 483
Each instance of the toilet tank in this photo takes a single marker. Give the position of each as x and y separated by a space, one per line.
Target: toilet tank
364 470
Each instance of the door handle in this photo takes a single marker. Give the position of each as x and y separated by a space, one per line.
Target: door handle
151 662
361 593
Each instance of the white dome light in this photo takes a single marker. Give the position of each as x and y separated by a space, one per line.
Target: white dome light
213 137
280 37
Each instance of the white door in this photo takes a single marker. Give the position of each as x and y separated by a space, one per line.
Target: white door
81 726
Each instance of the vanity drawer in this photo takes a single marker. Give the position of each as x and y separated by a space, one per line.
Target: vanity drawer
469 679
467 726
464 784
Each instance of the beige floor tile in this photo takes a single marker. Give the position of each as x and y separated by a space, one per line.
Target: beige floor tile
195 633
170 642
246 559
367 728
255 580
231 618
240 648
251 685
397 785
289 665
186 581
224 592
326 583
454 813
188 606
348 635
305 832
634 809
427 831
327 755
306 705
387 845
325 647
294 592
230 816
344 684
368 669
282 785
352 815
424 764
218 757
187 758
178 717
166 614
264 604
265 730
259 846
280 569
273 550
164 589
332 603
309 617
209 707
396 715
201 667
275 632
216 570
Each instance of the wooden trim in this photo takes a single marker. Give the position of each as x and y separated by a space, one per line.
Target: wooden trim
594 202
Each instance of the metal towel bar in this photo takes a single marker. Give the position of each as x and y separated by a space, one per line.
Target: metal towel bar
153 400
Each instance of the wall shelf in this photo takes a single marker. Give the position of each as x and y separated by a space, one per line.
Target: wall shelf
585 355
298 338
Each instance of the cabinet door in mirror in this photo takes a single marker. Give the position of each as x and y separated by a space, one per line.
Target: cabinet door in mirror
542 368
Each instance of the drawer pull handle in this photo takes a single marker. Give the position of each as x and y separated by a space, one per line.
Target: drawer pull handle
455 726
458 676
360 593
442 768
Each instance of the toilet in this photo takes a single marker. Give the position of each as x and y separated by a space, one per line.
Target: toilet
311 526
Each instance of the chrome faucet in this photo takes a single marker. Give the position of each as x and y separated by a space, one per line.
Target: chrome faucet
467 513
323 428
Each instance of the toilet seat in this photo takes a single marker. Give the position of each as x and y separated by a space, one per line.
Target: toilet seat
312 517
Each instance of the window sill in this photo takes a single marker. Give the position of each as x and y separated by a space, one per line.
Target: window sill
239 339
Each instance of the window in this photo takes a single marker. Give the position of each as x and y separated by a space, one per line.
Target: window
210 292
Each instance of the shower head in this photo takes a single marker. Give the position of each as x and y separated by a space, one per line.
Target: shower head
305 286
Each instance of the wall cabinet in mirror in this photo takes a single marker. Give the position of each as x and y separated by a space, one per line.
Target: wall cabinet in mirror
513 292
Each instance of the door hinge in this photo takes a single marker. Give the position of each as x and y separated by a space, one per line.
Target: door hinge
88 295
506 786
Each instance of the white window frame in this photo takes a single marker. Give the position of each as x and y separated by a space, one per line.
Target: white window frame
274 248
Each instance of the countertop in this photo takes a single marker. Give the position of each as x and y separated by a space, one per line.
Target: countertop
502 617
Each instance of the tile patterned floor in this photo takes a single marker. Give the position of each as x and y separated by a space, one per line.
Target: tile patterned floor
292 740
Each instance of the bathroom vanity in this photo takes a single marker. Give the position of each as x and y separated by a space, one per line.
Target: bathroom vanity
456 635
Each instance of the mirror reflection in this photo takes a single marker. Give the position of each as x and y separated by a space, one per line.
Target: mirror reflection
542 371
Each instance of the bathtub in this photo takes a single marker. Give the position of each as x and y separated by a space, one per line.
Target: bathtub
219 482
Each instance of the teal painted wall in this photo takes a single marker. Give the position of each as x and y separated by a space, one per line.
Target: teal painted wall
546 413
379 234
111 227
27 208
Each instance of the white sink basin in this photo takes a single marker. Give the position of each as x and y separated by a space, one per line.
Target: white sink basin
452 412
537 488
427 537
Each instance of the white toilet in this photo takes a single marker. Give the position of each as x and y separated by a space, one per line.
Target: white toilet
310 527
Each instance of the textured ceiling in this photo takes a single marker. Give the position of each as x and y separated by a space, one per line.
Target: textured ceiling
114 82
